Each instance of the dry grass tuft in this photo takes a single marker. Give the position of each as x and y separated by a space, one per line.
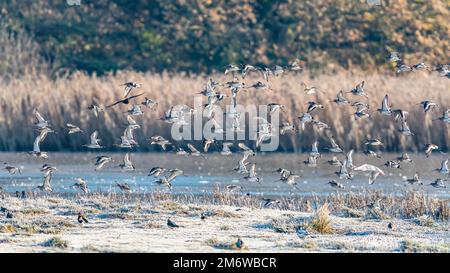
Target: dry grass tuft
321 221
230 245
56 242
425 221
67 100
7 228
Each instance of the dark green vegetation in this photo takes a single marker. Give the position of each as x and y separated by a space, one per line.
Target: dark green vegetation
200 36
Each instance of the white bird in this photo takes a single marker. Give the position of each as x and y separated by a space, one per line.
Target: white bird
94 141
429 148
81 185
374 171
226 148
444 167
242 164
405 129
101 161
334 147
251 175
156 171
159 140
128 87
127 165
73 128
194 151
385 108
40 123
343 173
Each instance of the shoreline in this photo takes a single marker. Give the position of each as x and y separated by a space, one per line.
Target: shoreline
122 224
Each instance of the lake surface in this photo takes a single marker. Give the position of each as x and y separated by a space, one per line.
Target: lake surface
203 175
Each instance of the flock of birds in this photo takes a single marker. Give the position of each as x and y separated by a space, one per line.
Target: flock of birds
181 114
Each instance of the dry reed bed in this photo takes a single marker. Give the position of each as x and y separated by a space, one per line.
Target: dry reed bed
406 205
66 100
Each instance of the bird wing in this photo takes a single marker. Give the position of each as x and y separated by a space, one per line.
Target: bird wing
384 104
333 143
373 176
314 148
368 168
94 139
444 164
192 148
252 172
47 180
130 120
127 160
39 116
36 148
349 158
226 147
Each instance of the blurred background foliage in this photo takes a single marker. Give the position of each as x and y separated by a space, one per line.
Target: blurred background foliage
198 36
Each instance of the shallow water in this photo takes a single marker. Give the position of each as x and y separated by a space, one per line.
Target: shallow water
205 174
